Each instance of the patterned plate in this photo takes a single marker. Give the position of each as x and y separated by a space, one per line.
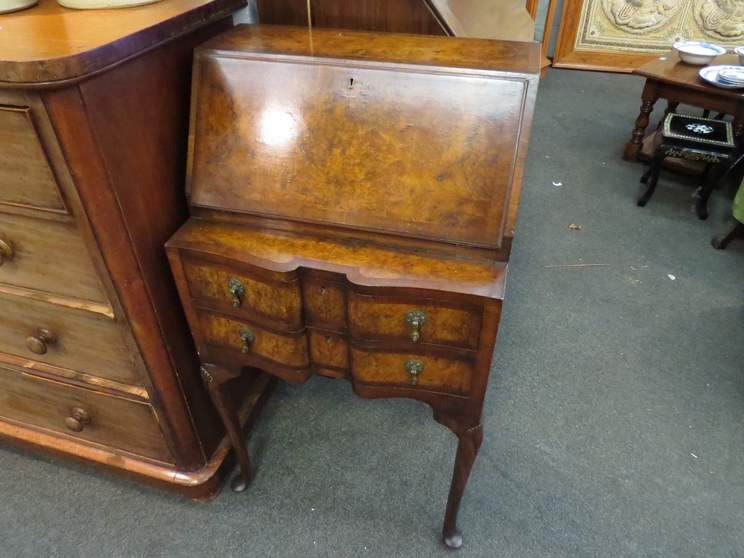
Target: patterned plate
710 74
732 76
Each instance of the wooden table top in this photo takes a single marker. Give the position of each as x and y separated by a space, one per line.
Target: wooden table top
668 68
48 44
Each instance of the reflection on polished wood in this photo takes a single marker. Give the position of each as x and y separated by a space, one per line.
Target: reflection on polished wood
363 189
504 20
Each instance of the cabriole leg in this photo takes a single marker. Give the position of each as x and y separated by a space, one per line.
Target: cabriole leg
214 377
469 442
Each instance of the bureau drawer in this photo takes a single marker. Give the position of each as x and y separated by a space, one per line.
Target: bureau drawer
111 421
325 302
48 256
329 350
411 370
26 178
83 341
239 293
226 332
388 318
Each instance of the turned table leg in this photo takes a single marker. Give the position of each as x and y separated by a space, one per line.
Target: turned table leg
469 441
734 229
214 377
648 98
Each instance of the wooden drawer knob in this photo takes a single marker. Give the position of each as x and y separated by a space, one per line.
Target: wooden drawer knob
77 420
38 342
247 338
6 252
415 319
414 368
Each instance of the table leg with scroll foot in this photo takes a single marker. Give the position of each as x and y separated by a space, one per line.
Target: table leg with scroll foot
467 449
653 173
214 377
734 229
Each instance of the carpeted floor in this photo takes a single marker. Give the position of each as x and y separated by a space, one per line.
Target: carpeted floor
614 419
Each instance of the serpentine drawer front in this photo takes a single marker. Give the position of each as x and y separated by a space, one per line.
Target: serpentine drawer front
353 199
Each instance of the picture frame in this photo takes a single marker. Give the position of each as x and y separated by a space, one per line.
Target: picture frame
621 35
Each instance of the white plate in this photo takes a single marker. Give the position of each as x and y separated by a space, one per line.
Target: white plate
732 76
710 74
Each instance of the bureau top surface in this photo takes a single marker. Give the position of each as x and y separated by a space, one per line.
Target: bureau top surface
362 263
410 136
50 43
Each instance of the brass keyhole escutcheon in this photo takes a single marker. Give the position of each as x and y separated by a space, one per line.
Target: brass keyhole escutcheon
415 319
39 341
77 420
237 290
247 338
6 252
414 368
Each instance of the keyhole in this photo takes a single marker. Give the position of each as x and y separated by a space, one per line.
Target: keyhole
351 83
322 290
328 339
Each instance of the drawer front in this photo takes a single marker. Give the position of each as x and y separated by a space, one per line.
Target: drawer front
437 374
48 256
212 283
111 421
384 318
329 349
26 178
83 341
289 350
325 302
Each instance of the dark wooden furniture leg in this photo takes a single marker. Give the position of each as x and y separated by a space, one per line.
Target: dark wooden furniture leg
714 176
214 377
655 170
649 96
738 123
734 229
470 437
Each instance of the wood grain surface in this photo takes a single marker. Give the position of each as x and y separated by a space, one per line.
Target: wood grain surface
25 176
86 341
114 421
49 257
362 263
440 374
51 44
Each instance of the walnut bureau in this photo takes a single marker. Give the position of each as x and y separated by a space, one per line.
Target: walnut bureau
96 361
353 197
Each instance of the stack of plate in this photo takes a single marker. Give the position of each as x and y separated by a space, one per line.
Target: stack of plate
729 77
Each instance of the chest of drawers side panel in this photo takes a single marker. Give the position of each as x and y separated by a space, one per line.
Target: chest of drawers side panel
111 128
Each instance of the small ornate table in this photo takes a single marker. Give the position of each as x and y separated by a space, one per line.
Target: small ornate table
679 83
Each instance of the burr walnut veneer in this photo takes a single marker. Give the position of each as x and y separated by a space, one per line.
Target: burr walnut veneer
96 360
353 198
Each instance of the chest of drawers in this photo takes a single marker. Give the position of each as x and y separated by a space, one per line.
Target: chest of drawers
353 198
96 361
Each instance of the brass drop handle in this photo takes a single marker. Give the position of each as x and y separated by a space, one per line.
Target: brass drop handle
38 342
414 368
415 319
237 290
6 252
77 420
247 338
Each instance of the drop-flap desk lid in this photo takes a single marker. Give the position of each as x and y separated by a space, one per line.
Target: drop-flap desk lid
413 136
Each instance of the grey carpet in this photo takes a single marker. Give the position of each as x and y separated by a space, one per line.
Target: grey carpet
614 417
